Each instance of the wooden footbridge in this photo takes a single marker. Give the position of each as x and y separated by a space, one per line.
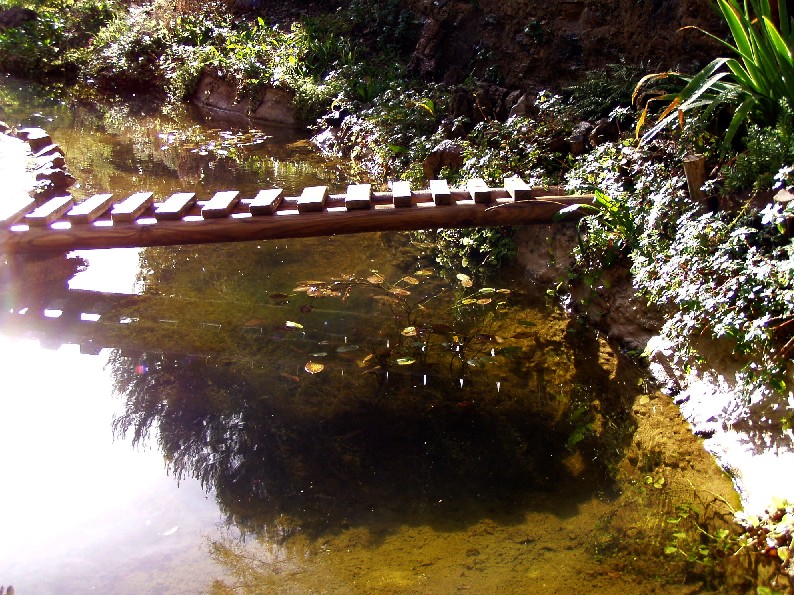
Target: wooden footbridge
102 221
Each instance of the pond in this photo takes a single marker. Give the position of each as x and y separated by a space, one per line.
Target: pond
330 415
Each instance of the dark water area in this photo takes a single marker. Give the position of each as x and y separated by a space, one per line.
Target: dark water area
327 415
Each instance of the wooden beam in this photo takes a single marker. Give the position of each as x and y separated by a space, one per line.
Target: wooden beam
359 196
440 192
242 226
130 208
49 211
312 199
221 204
401 194
266 202
90 209
175 206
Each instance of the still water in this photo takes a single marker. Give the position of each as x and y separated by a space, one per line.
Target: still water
331 415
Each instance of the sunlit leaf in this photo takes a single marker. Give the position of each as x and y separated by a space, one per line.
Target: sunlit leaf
302 288
405 361
411 280
291 324
424 273
503 291
487 290
409 331
375 279
465 280
399 291
346 348
314 367
468 301
483 301
320 354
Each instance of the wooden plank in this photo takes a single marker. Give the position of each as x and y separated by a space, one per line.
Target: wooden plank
359 196
221 204
518 188
479 190
266 202
312 199
439 190
91 208
12 209
50 211
131 207
175 206
401 194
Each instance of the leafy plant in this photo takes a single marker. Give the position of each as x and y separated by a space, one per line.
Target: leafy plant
753 84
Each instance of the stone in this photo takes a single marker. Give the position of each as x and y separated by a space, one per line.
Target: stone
579 139
16 16
605 130
446 154
37 138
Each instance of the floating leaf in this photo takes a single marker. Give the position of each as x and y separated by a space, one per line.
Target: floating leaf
375 279
411 280
320 354
405 361
409 331
487 290
291 324
424 273
314 367
468 301
465 280
302 288
504 291
484 301
346 348
399 291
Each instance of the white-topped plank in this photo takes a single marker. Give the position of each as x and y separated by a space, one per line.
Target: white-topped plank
266 202
359 196
518 189
221 204
175 206
131 207
90 209
50 211
439 190
14 208
401 193
312 199
479 190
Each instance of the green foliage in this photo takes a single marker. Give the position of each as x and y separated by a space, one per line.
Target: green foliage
604 89
768 151
476 250
45 47
752 86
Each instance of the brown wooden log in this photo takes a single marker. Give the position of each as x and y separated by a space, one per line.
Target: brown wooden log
242 226
441 193
14 208
49 211
175 206
359 196
130 208
90 209
401 194
266 202
221 204
695 170
518 188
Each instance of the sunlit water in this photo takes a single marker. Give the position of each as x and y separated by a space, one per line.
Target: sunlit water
325 415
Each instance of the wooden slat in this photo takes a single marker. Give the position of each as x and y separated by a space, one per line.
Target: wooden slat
479 190
266 202
91 208
221 204
12 209
401 193
312 199
439 189
359 196
49 211
131 207
518 188
175 206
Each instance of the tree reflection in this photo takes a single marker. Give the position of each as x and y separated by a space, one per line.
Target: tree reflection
475 417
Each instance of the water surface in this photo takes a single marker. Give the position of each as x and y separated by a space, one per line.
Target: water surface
325 415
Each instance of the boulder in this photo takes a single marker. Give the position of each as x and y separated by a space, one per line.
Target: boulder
605 130
579 139
446 154
16 16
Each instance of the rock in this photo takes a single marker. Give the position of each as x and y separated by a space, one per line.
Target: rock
446 154
423 60
605 130
579 140
37 138
520 107
54 179
16 16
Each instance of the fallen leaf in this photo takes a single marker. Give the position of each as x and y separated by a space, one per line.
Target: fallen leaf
405 361
409 331
314 367
411 280
291 324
